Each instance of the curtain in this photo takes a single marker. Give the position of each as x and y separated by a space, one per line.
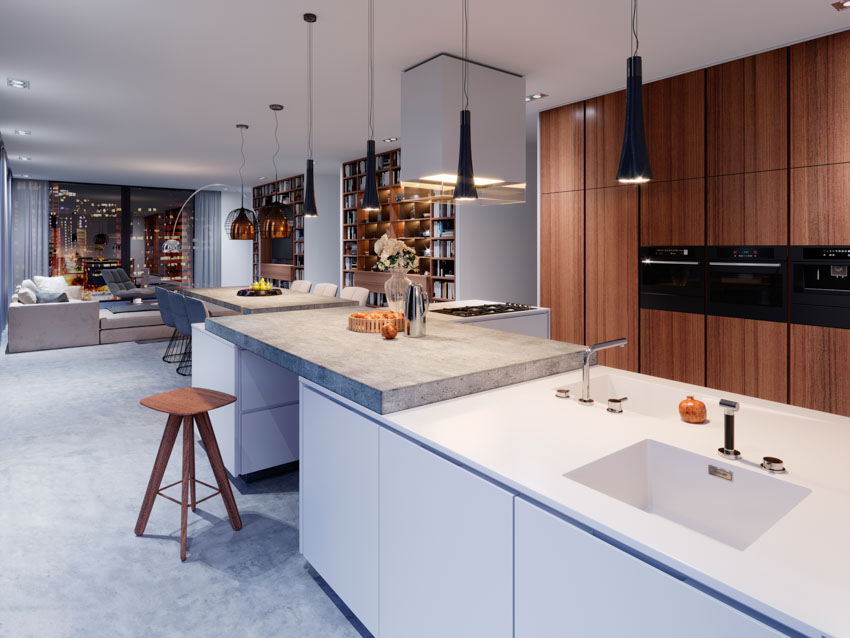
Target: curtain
30 229
207 239
6 285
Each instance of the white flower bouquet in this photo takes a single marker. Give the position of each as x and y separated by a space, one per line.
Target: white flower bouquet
394 254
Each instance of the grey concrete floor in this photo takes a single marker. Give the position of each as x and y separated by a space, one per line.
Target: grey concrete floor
76 451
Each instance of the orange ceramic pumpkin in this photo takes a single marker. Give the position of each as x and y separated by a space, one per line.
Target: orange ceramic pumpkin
388 330
692 410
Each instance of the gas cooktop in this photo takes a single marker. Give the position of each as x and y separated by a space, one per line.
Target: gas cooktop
483 310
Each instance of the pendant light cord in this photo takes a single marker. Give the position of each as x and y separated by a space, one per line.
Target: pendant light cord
241 180
371 69
310 92
276 141
633 33
465 54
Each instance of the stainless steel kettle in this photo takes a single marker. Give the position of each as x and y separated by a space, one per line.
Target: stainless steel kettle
415 307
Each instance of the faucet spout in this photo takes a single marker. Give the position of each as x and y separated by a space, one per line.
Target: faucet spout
585 373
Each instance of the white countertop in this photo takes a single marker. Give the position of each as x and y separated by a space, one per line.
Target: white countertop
797 572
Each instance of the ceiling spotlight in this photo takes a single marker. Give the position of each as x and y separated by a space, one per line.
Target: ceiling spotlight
20 131
24 159
535 96
25 175
390 139
17 84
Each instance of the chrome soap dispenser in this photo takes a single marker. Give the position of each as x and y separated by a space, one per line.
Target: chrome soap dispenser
415 307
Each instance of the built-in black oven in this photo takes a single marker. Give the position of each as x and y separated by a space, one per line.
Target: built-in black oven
672 278
820 289
748 282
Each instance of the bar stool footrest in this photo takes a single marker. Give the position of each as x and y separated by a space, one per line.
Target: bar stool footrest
216 491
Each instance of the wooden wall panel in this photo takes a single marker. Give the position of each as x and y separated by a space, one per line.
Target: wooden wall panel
746 114
820 204
562 149
672 345
672 213
562 263
750 208
612 272
605 119
819 365
674 115
820 101
747 357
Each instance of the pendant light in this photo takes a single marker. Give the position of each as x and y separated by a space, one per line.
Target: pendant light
309 206
465 190
370 194
240 221
634 160
274 217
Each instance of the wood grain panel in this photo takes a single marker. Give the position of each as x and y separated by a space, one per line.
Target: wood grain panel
605 118
672 213
747 357
820 204
674 113
819 359
820 101
672 345
562 149
612 272
562 263
748 209
746 114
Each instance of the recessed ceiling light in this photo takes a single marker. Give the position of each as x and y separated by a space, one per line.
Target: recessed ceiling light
25 175
391 139
841 5
16 83
535 96
24 159
20 131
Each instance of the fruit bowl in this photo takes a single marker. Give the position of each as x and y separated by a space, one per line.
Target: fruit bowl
247 292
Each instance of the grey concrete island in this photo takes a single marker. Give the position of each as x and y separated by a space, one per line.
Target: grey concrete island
287 300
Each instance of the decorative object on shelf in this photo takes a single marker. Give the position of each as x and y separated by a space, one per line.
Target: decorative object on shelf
171 246
374 321
415 307
389 331
274 216
634 159
692 410
370 194
465 185
240 221
309 208
248 292
398 258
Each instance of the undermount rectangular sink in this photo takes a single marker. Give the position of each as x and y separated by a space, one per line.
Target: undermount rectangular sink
677 485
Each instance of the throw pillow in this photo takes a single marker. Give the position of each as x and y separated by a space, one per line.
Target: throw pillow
74 292
51 297
27 296
51 284
29 284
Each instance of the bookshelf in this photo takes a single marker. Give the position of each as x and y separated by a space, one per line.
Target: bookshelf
423 220
289 190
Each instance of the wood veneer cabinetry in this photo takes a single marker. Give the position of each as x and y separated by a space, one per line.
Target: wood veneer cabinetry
820 101
604 118
672 213
819 365
562 149
562 263
747 357
672 345
749 208
820 204
611 294
746 114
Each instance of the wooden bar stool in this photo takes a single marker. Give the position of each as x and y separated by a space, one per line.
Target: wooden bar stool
187 404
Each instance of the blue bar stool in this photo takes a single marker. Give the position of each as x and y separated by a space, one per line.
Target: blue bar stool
174 349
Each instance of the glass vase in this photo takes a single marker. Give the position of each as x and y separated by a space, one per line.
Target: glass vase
394 288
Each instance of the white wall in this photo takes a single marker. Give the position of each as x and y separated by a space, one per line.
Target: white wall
322 234
235 254
497 246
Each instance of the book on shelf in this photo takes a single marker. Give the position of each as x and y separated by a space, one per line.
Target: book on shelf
444 289
443 248
444 209
444 229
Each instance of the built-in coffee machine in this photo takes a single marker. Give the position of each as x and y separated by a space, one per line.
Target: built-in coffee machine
820 289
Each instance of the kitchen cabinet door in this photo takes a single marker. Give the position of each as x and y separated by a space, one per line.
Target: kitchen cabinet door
820 101
674 112
570 583
562 263
746 114
446 547
672 213
562 149
747 357
605 118
751 208
672 345
819 365
611 295
820 205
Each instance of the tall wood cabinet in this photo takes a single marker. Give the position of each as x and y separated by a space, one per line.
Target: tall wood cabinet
819 365
672 345
562 149
820 205
604 124
672 213
748 208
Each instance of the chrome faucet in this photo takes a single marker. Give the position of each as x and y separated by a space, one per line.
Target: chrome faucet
729 409
585 374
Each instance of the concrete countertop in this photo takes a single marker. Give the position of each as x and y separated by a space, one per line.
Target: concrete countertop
287 300
453 360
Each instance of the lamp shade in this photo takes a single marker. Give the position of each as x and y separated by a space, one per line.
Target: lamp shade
465 185
241 223
274 221
370 192
171 246
310 192
634 159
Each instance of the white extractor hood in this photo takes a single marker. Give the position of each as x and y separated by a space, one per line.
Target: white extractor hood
431 101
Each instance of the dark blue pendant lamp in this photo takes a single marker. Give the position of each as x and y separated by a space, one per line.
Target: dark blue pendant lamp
370 192
309 205
634 159
465 185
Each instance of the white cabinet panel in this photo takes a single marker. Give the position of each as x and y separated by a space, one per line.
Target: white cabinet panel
339 501
570 583
269 438
446 547
264 384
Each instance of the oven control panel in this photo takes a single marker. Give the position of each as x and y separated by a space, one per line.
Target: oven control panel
837 253
747 253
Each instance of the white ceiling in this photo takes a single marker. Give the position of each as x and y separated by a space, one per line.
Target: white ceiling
148 93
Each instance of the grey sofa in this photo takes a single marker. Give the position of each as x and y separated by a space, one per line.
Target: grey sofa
122 287
53 325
